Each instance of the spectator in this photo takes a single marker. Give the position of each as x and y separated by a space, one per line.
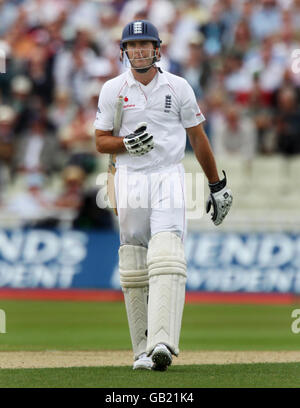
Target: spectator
41 12
77 140
160 12
73 185
71 66
234 134
81 10
270 71
214 31
62 111
284 47
8 16
241 40
213 107
31 204
91 216
40 73
238 81
92 92
231 16
196 69
196 11
182 28
6 64
108 21
266 20
7 122
166 61
246 10
266 135
288 122
82 203
20 99
37 151
296 15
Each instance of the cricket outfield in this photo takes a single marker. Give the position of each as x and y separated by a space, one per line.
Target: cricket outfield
87 344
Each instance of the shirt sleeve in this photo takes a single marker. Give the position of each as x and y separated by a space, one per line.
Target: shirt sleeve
190 113
105 112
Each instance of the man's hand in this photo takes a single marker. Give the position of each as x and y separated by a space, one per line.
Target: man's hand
220 200
140 141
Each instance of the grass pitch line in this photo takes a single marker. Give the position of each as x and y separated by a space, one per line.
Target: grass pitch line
56 359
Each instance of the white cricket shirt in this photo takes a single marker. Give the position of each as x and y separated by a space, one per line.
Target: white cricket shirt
168 108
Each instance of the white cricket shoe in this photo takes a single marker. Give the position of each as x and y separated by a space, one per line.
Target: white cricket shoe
143 362
161 357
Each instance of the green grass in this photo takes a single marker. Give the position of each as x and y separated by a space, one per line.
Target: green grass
208 376
35 325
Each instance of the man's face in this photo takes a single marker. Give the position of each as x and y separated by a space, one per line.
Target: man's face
140 53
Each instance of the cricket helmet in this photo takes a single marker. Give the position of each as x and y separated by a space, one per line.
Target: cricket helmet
140 30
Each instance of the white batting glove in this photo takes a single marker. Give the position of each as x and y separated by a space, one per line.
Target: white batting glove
140 141
220 199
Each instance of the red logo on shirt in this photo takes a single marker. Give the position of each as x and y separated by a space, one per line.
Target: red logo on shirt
125 99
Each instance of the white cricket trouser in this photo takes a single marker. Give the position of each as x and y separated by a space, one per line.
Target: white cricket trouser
149 203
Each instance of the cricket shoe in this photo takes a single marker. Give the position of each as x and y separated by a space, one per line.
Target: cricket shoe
143 362
161 357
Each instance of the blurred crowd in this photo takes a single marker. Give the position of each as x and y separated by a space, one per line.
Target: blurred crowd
239 56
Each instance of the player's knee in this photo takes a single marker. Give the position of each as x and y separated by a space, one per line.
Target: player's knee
166 255
134 237
133 266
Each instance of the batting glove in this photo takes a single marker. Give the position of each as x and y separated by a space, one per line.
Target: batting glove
220 199
140 141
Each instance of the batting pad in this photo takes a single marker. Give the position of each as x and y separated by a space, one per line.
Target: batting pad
167 278
135 285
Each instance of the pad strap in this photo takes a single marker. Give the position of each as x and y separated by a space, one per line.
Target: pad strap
134 281
167 274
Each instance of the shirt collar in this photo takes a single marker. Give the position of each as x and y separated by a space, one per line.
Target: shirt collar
161 79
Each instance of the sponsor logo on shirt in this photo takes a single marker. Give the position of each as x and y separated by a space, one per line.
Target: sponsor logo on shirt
168 103
128 106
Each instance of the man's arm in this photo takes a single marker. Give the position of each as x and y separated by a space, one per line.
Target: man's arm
203 152
107 143
220 198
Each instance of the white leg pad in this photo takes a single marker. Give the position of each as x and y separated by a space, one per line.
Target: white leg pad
167 278
135 285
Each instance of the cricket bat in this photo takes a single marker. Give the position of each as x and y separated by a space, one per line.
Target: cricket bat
112 157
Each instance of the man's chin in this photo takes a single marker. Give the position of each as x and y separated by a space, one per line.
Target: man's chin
141 66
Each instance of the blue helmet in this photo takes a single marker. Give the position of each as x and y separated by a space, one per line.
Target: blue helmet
140 30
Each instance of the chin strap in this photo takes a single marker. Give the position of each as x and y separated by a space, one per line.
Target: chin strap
146 69
142 70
